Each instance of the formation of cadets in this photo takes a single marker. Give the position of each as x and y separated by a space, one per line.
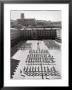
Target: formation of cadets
37 57
36 71
39 62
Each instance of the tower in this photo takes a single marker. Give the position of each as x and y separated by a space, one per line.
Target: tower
22 15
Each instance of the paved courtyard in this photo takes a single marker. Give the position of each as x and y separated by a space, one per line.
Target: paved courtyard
38 59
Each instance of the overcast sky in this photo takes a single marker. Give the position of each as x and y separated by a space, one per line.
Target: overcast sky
39 15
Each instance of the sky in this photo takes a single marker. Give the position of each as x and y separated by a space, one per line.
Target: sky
38 15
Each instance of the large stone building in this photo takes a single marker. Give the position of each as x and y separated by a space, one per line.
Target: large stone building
31 29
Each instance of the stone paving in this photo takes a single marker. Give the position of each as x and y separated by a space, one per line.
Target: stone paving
38 61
